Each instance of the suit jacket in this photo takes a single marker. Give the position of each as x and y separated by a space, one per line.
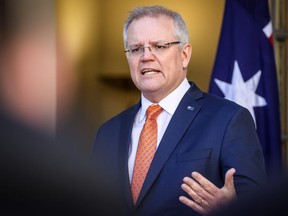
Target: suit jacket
206 134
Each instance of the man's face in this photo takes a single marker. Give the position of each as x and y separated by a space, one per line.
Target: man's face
156 74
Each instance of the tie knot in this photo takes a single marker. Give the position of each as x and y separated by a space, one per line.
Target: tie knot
153 111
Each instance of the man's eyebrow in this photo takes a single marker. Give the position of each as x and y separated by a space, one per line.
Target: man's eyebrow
151 42
136 44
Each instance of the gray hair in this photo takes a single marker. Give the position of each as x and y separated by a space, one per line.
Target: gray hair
180 31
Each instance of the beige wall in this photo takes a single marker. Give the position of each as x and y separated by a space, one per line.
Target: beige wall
91 31
203 19
93 34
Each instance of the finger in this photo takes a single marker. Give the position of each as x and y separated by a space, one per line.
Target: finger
192 204
205 183
229 179
189 190
197 188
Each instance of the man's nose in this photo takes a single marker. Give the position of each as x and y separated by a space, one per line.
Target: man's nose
147 53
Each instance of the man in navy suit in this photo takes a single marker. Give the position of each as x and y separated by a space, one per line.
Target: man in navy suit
197 133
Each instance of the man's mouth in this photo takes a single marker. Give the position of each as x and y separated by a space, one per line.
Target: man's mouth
149 71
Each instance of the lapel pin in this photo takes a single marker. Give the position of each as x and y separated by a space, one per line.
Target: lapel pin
190 108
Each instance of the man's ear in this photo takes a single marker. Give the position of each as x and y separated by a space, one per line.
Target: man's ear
186 54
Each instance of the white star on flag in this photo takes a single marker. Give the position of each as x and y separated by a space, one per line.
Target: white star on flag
242 92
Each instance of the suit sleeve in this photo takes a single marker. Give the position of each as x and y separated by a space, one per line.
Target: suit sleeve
241 149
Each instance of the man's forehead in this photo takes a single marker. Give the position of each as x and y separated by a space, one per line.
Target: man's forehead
151 19
154 28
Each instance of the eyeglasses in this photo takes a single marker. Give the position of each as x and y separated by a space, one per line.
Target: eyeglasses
156 49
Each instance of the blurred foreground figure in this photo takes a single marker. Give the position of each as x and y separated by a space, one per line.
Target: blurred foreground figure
38 175
273 201
28 63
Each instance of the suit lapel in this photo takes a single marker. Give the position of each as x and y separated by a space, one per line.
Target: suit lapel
126 128
182 118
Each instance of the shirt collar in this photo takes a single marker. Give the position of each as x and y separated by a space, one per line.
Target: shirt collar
169 103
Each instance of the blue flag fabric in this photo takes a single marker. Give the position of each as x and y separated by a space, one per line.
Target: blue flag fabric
245 72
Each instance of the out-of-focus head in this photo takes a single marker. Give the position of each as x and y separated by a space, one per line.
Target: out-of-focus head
29 67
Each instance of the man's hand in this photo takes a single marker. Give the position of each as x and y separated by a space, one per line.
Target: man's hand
206 197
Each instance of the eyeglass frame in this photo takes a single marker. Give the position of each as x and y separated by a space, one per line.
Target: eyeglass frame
142 48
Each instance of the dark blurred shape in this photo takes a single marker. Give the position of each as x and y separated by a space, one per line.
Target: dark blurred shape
42 177
39 174
273 201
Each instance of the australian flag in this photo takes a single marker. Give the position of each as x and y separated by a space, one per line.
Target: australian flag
245 71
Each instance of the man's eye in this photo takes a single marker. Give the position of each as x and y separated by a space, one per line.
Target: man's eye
136 50
159 47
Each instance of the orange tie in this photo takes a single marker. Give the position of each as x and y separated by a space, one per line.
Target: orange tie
146 150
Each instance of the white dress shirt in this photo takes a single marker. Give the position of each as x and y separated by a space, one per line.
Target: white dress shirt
169 105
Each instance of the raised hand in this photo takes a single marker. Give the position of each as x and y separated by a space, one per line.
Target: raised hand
205 197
